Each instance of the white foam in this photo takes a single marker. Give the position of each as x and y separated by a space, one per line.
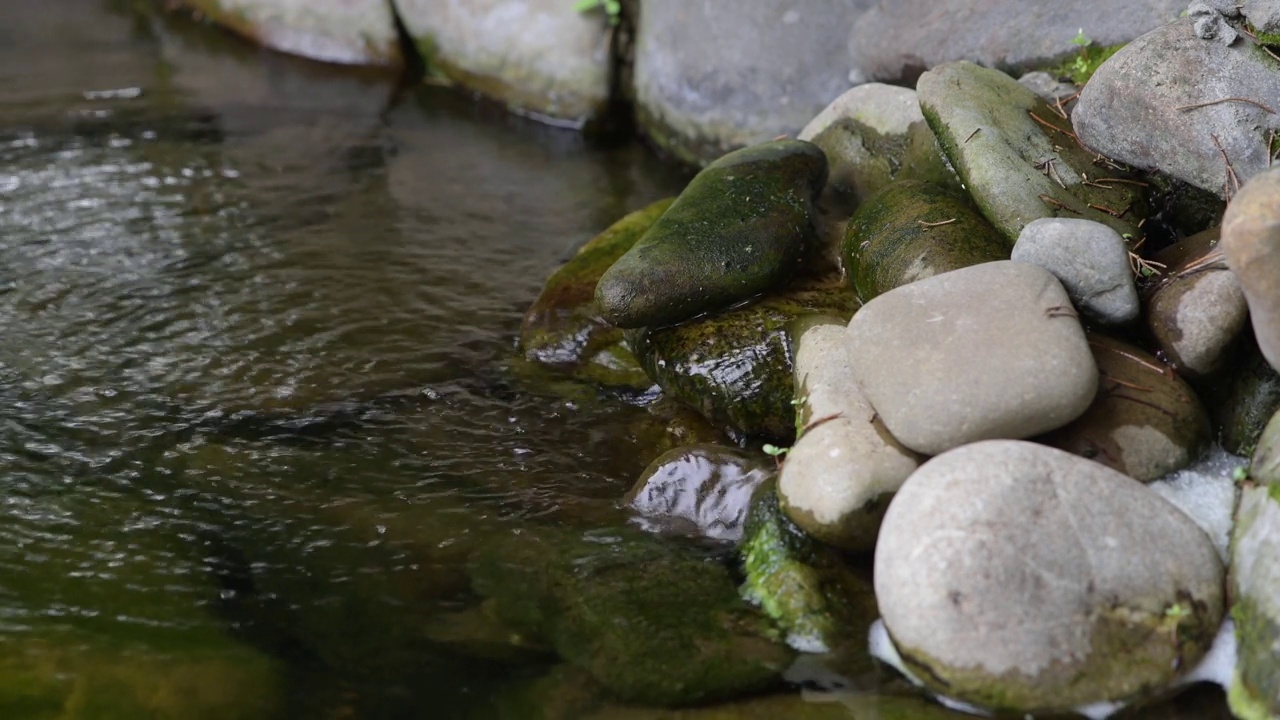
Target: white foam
1206 492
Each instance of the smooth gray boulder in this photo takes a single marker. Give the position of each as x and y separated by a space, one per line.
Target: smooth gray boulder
716 75
1025 579
1172 102
1251 244
898 39
1019 158
1089 259
539 57
887 109
1048 86
1255 589
1264 15
699 489
844 466
987 351
351 32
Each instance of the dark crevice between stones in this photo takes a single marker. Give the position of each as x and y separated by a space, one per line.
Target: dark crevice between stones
617 122
415 65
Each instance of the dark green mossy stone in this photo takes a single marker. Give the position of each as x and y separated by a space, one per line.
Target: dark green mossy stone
735 367
893 240
654 622
563 327
1255 587
737 230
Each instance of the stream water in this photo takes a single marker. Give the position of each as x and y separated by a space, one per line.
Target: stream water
258 369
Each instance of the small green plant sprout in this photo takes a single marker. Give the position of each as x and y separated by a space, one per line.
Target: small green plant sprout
1081 39
612 8
1240 473
773 450
800 400
1177 612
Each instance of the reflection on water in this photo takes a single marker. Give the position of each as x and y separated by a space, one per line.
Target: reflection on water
258 321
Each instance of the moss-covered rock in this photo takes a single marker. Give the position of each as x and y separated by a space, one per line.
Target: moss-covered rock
735 367
1255 586
1145 421
737 230
1019 159
806 587
653 622
912 230
563 327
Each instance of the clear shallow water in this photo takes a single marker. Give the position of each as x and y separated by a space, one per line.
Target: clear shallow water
258 320
257 325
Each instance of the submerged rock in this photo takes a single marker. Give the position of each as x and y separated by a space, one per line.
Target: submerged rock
987 351
699 490
713 76
804 586
1170 101
844 466
735 367
1145 422
1089 259
914 230
536 56
563 327
1251 244
1255 589
737 230
1197 310
653 622
1019 159
1025 579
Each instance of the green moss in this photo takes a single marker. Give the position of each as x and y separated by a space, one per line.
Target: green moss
1080 67
1257 674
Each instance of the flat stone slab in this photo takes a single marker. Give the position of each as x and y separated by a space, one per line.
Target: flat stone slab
988 351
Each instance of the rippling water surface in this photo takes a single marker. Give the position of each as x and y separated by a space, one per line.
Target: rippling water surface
258 321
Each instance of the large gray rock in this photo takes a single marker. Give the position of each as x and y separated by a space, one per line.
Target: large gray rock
1019 577
988 351
844 466
1263 15
899 39
1251 244
1090 259
537 56
715 75
1255 588
1018 158
1169 101
356 32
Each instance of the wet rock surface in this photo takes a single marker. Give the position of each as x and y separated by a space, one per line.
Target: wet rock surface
1251 245
1145 422
1066 570
1089 259
992 350
1017 156
362 32
913 230
1242 395
737 230
1255 587
700 490
844 466
1158 104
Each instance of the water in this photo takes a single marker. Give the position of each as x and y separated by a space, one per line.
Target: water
258 322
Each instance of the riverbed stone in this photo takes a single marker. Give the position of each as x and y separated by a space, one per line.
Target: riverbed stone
1048 86
913 230
873 134
563 328
735 367
988 351
1091 261
1251 245
844 466
805 586
1018 158
717 75
1146 421
1263 15
1140 107
350 32
1197 310
702 490
540 57
737 230
1025 579
654 622
1264 466
1255 588
896 40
